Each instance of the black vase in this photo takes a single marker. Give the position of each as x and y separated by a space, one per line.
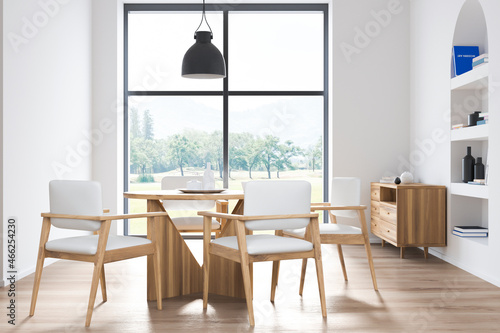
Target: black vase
468 167
479 169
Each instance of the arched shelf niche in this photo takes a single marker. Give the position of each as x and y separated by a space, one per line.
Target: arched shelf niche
469 204
470 29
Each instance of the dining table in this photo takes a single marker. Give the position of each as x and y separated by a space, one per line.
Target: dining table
181 273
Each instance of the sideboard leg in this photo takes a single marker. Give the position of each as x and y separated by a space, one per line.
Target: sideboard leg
402 253
426 252
383 243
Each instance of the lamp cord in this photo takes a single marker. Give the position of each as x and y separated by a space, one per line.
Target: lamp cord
204 17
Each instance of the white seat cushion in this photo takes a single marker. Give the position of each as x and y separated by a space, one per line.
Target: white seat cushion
329 229
267 244
192 223
88 244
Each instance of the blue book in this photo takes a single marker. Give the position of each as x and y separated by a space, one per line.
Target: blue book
462 58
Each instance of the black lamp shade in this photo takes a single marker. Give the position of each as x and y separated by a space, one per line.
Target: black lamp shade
203 60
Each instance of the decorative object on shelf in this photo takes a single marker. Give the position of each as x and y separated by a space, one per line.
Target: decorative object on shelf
397 180
468 166
473 118
479 169
388 179
462 58
203 60
406 177
208 178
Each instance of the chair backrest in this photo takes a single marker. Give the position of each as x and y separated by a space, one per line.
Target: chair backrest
175 182
75 197
277 197
346 191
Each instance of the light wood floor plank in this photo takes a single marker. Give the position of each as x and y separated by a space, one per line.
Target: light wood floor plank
415 295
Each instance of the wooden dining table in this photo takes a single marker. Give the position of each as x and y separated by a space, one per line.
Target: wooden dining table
181 272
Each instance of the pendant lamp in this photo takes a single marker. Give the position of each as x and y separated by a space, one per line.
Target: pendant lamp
203 60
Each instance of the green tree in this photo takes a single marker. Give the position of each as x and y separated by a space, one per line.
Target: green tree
142 154
252 154
147 126
315 154
237 143
135 126
269 152
285 153
181 150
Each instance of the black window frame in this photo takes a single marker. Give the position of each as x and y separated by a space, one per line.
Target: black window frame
225 93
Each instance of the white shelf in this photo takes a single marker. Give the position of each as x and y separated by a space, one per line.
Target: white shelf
479 240
473 133
473 191
473 79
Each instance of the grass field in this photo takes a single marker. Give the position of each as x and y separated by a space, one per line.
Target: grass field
138 226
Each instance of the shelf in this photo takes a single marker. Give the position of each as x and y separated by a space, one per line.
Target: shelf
391 204
473 133
473 79
467 190
478 240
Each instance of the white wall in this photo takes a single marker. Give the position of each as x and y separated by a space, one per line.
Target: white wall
107 102
432 30
370 122
47 107
1 143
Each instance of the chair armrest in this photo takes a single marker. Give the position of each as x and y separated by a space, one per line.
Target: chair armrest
104 217
105 211
256 217
315 208
320 204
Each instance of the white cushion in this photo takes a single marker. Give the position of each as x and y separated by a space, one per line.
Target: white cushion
267 244
88 244
192 223
329 229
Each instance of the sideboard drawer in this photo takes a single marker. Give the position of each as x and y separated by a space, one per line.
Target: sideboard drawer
375 208
375 190
388 214
384 229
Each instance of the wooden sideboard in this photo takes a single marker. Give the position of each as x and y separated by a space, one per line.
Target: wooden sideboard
409 215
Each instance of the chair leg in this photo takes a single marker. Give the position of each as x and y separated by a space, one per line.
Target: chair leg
302 276
321 284
206 258
274 281
342 262
103 285
36 284
245 270
93 292
370 262
44 236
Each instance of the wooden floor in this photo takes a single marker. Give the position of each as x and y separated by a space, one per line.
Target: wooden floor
416 295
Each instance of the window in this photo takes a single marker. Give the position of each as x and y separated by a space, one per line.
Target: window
267 119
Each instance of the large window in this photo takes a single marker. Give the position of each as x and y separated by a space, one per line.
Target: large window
266 120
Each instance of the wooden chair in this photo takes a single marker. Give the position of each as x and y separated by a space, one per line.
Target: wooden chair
190 223
269 205
77 205
346 196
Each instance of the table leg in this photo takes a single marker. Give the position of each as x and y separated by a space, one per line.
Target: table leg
181 273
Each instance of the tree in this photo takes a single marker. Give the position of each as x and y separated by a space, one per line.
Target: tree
135 129
215 152
315 154
269 152
252 153
147 126
284 155
181 150
142 154
237 143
